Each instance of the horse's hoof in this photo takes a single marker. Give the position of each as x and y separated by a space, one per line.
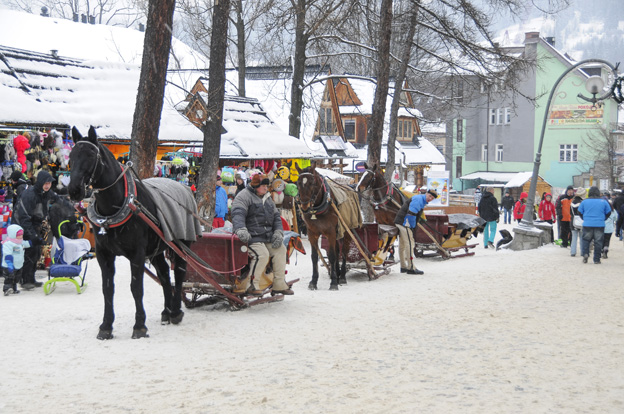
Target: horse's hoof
342 281
176 318
139 333
333 287
312 286
104 335
165 318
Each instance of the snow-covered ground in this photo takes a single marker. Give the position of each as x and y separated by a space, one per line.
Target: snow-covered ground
500 332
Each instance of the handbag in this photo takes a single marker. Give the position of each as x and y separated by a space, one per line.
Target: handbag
578 222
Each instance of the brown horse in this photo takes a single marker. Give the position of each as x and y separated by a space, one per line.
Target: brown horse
315 198
386 198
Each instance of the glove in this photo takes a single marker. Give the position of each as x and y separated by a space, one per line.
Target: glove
9 262
243 234
277 239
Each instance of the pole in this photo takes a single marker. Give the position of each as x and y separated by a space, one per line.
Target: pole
528 221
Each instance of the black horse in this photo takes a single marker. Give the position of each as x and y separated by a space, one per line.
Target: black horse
122 233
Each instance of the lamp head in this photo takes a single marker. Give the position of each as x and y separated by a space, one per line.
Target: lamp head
594 84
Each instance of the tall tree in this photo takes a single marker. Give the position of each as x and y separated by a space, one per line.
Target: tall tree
216 94
149 103
600 154
376 124
398 88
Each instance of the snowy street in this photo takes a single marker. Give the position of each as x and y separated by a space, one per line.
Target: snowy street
515 332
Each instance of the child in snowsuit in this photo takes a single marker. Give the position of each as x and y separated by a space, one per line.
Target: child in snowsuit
13 258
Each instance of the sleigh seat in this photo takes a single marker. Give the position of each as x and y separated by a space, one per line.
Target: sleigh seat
67 257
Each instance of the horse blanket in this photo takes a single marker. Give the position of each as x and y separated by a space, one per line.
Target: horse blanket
348 206
174 203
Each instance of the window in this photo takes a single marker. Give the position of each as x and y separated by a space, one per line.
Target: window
500 116
404 129
326 122
460 130
459 93
349 129
499 152
458 167
484 153
493 116
568 153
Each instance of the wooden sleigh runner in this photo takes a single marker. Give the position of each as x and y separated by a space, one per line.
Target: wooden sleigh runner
446 235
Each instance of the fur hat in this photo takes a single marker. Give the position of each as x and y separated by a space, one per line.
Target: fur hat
258 180
581 192
433 193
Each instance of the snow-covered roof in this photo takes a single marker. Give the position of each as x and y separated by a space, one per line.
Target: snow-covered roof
39 89
425 154
510 179
365 91
91 78
250 133
85 41
274 97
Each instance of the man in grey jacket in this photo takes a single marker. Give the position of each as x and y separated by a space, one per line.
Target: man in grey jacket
256 221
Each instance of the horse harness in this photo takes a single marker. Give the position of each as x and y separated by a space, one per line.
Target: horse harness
130 191
387 198
325 203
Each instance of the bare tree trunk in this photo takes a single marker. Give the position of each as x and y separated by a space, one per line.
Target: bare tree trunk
375 131
149 103
214 122
398 88
240 44
296 93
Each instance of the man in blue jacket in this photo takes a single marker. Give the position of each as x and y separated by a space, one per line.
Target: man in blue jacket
594 210
405 221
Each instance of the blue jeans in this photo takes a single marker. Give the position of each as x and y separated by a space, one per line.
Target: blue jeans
575 236
507 216
597 235
489 232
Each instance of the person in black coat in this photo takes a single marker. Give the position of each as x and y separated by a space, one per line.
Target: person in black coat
19 184
30 212
488 211
507 203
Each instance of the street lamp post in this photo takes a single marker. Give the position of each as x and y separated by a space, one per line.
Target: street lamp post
594 85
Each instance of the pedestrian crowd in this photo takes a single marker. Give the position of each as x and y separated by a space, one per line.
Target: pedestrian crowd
585 219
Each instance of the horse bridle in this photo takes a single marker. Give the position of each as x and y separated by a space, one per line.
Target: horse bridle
388 186
98 161
323 207
124 213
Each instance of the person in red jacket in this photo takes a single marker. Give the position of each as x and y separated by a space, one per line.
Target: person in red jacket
520 207
547 213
